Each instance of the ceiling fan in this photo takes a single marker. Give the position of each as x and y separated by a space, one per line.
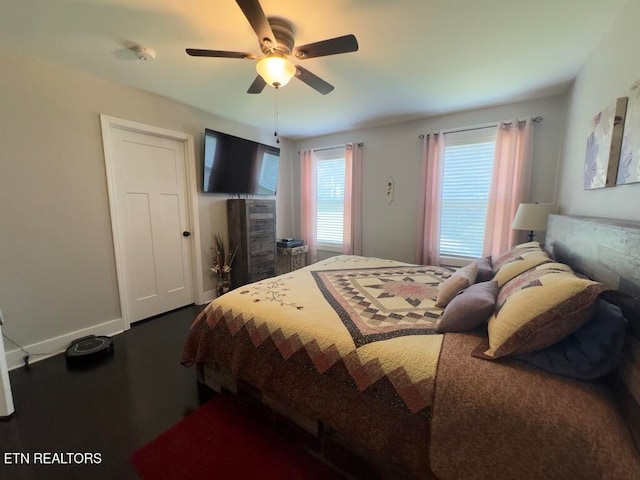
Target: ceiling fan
276 39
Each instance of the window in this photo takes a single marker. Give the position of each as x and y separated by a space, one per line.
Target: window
468 166
330 178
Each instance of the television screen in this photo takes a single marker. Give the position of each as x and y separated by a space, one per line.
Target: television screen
236 165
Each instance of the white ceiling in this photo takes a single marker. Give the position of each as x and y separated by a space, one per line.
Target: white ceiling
416 58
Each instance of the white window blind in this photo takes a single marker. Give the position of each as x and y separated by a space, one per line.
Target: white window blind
468 166
330 200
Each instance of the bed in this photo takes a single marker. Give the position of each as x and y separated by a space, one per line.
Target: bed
351 351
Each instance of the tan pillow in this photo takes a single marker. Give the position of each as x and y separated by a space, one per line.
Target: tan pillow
515 251
519 262
457 282
539 308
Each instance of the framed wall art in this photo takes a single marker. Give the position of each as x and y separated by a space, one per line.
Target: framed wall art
629 167
603 146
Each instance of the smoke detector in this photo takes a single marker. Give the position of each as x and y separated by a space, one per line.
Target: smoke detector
144 53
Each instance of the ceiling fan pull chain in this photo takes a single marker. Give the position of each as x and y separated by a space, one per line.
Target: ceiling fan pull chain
275 113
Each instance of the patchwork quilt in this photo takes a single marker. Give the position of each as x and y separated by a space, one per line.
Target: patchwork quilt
385 302
366 322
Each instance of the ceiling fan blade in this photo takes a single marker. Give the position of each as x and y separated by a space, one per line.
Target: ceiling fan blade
258 20
257 86
196 52
332 46
313 81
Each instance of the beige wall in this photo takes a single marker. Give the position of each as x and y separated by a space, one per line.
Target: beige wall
389 231
57 266
609 73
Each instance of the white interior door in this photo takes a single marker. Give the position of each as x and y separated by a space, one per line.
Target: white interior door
149 200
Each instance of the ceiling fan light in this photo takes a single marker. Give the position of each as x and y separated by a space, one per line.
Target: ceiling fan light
276 70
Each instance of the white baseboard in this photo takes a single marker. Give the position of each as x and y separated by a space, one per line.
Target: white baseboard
53 346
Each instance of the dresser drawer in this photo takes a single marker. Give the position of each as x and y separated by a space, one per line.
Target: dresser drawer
261 207
255 217
262 262
261 244
262 227
261 275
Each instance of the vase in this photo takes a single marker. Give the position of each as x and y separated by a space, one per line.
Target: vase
223 285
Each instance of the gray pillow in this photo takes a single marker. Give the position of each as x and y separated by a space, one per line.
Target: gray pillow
470 308
588 353
485 269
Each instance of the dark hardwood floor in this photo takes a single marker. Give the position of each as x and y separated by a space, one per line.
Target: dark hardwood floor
112 408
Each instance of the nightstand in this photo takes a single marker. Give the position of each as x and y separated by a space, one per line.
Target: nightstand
290 259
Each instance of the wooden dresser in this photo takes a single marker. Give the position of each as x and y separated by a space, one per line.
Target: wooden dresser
252 226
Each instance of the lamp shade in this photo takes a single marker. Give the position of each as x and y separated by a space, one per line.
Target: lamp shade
276 69
532 216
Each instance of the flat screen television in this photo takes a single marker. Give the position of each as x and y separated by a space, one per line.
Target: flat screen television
236 165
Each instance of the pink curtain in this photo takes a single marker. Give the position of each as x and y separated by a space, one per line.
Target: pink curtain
308 203
510 185
428 242
352 222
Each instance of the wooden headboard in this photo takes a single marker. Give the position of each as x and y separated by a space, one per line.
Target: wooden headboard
608 251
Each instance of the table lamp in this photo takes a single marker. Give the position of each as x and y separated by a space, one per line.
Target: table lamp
532 217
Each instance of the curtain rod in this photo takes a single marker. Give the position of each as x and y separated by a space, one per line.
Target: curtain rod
360 144
537 119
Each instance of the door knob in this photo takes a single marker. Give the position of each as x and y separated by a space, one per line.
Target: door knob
186 234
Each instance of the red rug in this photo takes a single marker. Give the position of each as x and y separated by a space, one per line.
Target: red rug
222 440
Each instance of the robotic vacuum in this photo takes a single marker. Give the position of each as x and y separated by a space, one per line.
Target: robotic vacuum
88 349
